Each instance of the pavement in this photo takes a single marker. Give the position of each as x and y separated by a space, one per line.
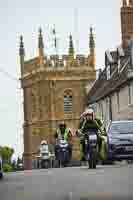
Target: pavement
78 183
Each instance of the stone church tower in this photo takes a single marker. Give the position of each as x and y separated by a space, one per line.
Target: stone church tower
54 89
126 21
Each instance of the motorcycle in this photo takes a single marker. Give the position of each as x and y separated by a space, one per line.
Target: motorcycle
45 157
63 153
91 148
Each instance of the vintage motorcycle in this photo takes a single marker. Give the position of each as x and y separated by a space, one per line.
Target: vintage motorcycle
45 156
63 153
91 148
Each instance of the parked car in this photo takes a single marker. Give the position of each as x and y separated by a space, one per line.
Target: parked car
1 171
120 140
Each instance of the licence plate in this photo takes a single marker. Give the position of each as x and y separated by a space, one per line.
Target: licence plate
129 148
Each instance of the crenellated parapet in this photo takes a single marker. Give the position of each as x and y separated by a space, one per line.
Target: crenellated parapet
55 62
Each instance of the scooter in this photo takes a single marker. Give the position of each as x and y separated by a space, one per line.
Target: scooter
91 148
63 153
45 157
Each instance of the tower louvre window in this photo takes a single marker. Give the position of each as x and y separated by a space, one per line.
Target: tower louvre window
68 102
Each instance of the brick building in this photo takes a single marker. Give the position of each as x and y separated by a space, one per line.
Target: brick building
53 90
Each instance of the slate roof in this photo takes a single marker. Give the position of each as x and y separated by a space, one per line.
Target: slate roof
103 87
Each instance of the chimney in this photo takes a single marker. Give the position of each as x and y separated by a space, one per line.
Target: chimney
131 3
126 22
124 3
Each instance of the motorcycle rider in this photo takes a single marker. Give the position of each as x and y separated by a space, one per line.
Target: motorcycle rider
88 123
63 132
44 146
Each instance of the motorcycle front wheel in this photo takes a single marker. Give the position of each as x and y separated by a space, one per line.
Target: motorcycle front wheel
92 159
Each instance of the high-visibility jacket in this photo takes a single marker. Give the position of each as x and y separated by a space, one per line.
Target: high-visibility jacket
66 134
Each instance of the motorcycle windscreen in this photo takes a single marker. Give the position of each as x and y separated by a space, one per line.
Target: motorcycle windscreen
44 149
93 137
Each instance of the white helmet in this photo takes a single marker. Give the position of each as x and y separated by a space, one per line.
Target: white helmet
43 142
88 111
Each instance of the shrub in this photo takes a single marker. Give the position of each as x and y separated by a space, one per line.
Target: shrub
7 168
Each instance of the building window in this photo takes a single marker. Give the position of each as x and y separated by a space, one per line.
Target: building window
118 100
101 110
110 108
130 94
53 63
119 65
68 101
65 63
108 72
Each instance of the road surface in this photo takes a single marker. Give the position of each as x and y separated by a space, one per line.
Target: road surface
105 183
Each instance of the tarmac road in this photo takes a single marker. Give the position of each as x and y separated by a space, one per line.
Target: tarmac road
105 183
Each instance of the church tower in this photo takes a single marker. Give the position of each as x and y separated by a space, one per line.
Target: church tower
54 89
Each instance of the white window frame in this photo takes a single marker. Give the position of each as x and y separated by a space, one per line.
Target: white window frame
118 100
108 72
119 65
53 63
64 63
101 109
130 94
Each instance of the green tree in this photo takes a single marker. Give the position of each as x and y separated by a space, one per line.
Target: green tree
6 154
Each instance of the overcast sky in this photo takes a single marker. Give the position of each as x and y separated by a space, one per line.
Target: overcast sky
25 17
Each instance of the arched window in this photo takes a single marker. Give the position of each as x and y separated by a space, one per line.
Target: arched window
68 101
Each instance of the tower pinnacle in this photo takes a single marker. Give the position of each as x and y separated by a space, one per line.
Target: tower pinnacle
71 47
21 54
91 57
40 43
21 47
91 42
